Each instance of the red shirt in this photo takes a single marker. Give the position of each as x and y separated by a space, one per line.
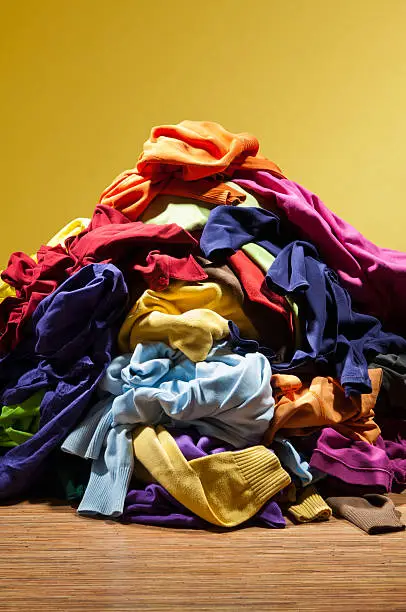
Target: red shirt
156 252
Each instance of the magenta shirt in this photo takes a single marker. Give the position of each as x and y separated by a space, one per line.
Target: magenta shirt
375 277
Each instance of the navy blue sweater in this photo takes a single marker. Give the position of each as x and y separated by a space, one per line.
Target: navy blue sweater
336 340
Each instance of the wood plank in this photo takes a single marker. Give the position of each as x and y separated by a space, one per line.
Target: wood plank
52 559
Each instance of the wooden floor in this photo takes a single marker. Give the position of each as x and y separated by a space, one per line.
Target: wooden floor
51 559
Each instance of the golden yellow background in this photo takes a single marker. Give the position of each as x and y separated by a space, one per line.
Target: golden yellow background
321 83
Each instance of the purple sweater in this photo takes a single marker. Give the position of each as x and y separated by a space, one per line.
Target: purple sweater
356 462
73 331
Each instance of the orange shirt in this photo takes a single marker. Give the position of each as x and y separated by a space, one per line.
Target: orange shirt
301 407
178 159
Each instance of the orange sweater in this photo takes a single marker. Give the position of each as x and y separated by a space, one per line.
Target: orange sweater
302 407
190 151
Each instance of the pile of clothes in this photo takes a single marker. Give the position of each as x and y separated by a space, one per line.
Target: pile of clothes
214 346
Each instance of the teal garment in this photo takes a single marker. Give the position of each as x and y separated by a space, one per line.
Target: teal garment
64 477
71 476
264 260
187 213
20 422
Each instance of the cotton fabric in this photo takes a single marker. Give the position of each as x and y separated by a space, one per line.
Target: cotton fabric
110 237
372 513
205 286
334 335
70 344
375 277
226 396
225 488
188 317
301 407
192 151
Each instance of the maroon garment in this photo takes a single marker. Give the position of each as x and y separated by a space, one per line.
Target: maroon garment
160 268
157 268
110 238
32 281
269 312
118 242
102 215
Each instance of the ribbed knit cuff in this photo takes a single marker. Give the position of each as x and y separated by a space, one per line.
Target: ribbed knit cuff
369 475
374 524
250 143
377 514
262 470
224 196
105 493
310 506
87 439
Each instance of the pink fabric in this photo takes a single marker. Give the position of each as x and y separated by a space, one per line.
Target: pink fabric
375 277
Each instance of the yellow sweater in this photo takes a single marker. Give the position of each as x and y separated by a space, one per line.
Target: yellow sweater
187 316
225 489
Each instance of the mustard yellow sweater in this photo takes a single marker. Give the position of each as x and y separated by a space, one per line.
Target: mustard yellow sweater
187 316
225 489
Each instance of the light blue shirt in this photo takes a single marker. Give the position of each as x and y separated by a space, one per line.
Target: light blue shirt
228 396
